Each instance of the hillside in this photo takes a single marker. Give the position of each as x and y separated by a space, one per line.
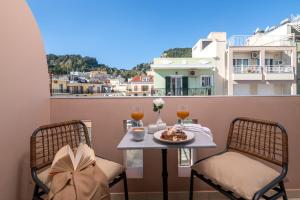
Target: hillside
63 64
177 53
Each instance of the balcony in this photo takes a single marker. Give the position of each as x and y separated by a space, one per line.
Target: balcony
261 40
250 72
205 91
213 112
182 63
28 105
279 72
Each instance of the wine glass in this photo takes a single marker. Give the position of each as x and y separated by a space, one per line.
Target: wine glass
182 112
137 115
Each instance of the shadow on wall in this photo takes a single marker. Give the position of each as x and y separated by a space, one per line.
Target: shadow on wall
25 186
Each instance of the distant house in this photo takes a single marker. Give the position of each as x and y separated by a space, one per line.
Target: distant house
193 76
141 85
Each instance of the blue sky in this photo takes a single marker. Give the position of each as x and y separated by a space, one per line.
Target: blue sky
124 33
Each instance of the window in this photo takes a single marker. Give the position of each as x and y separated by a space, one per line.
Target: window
61 88
145 88
269 62
257 62
135 88
206 81
240 62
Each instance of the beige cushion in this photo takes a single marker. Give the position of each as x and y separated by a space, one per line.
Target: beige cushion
109 168
236 172
44 177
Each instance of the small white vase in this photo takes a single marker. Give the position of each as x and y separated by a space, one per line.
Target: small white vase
159 120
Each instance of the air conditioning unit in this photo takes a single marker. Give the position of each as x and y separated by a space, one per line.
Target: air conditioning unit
254 54
192 73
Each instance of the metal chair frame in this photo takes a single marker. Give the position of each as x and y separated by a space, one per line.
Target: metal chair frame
268 141
47 140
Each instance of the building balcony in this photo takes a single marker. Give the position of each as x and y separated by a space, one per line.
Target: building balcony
251 72
204 91
279 72
182 63
261 39
270 72
213 112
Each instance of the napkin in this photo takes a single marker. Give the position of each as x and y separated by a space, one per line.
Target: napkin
197 128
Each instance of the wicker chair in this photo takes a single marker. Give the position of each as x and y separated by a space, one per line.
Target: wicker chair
262 143
47 140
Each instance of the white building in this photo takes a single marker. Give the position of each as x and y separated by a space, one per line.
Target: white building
141 86
198 75
214 48
118 85
264 63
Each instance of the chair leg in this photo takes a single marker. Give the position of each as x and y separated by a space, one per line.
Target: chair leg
191 185
125 186
36 193
283 190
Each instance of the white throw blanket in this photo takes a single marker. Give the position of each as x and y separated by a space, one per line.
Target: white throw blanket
197 129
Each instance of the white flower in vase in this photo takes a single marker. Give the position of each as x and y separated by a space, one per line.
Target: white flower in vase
158 104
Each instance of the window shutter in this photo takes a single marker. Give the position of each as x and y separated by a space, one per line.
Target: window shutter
168 84
185 85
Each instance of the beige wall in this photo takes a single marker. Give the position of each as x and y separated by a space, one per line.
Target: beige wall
214 112
24 102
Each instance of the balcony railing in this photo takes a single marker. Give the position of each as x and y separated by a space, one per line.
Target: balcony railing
271 69
270 72
204 91
279 69
57 92
249 69
262 40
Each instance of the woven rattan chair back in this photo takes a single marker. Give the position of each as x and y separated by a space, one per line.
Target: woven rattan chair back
263 139
47 140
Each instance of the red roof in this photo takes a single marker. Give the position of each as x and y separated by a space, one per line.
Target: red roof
142 79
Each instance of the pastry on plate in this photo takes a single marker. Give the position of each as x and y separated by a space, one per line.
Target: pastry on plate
173 134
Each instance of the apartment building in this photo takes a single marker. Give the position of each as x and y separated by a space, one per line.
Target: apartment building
261 70
266 62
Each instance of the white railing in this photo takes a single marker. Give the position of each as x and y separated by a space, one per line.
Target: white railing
249 69
279 69
262 40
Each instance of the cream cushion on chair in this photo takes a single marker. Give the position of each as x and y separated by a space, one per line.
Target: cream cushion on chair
110 169
236 172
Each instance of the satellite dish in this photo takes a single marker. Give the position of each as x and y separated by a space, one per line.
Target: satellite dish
267 28
285 21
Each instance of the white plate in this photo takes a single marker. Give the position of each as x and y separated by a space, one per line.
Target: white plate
190 136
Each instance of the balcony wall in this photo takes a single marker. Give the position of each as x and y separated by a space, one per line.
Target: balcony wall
214 112
247 76
24 102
